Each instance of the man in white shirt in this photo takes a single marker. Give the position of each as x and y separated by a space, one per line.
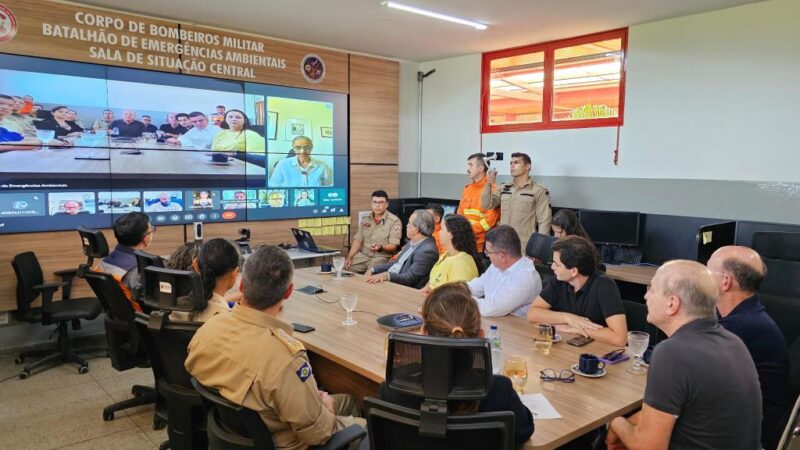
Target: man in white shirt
200 136
511 282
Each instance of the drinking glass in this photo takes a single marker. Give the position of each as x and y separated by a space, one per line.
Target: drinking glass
516 368
338 264
543 339
45 136
637 343
349 302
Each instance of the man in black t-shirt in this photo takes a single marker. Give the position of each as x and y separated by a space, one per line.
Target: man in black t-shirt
702 387
128 126
581 300
147 121
172 129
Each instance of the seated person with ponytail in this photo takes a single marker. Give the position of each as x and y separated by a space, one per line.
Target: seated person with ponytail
450 311
217 262
460 260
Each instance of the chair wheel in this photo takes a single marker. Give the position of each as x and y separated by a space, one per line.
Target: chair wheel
159 424
24 374
108 416
19 360
83 370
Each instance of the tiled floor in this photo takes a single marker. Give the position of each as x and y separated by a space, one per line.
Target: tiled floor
58 408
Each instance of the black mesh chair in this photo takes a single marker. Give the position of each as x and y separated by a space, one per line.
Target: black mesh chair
30 287
125 348
167 342
540 248
438 370
636 317
234 427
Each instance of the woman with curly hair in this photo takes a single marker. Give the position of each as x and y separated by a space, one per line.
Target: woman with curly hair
460 260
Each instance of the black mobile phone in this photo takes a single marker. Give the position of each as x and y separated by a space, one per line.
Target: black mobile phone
300 328
580 341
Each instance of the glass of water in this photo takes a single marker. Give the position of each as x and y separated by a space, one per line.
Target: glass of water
338 264
516 368
45 136
637 343
349 302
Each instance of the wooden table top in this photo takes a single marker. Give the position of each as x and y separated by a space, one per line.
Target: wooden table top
584 405
154 162
632 274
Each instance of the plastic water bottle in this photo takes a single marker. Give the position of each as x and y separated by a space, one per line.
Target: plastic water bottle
496 346
115 131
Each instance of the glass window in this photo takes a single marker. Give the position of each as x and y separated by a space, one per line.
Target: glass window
572 83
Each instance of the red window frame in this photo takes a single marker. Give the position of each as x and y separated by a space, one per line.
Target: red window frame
549 49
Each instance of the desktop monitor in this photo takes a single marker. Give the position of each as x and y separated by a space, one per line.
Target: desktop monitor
713 236
611 227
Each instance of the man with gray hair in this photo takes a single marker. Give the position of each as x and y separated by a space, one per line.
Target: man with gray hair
739 272
511 283
251 357
413 264
702 387
128 126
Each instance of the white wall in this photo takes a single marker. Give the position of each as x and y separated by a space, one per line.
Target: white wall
713 96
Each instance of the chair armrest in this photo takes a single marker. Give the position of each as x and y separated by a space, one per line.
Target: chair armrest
67 275
50 286
48 289
341 439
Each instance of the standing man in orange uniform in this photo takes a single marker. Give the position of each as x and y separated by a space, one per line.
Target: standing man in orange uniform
482 220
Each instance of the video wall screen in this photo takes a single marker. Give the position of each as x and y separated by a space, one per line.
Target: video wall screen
81 144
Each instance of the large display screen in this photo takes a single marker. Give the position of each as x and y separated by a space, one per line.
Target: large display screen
81 144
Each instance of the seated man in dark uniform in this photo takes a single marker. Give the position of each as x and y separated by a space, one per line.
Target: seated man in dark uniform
251 357
739 272
133 232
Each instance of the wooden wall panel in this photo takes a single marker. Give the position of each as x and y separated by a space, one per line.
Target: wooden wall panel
374 110
62 250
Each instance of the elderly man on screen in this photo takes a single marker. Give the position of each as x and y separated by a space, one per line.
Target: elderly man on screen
128 126
302 169
511 283
413 265
200 136
702 386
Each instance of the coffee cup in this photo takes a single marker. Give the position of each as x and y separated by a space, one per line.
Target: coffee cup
325 267
590 364
219 157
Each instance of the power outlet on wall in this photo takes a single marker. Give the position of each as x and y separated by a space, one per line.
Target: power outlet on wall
4 318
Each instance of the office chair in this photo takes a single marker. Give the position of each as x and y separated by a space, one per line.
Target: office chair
234 427
144 260
540 248
31 286
790 440
167 342
125 347
636 317
440 371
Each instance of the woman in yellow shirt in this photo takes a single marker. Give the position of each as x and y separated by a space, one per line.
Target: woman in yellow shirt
459 261
236 135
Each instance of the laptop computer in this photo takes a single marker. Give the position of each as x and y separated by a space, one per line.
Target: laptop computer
306 242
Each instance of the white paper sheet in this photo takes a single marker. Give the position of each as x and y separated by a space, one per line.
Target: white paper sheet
539 406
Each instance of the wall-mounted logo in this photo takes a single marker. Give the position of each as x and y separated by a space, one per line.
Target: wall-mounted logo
8 24
313 68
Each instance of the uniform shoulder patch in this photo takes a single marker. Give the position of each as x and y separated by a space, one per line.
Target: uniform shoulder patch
304 372
397 226
291 343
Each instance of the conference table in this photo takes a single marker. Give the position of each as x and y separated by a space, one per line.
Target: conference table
143 159
351 359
